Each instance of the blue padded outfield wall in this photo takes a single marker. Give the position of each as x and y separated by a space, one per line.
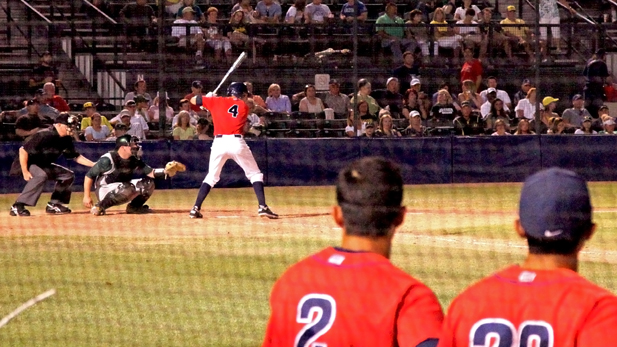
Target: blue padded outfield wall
305 162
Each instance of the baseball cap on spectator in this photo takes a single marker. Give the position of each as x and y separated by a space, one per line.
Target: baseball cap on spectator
130 103
369 125
121 126
577 97
390 80
197 84
88 105
212 9
511 8
32 102
609 122
414 82
466 103
140 98
491 90
587 119
124 113
333 81
603 107
547 100
414 113
601 52
526 81
189 9
39 92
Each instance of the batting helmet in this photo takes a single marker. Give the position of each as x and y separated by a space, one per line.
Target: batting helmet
237 89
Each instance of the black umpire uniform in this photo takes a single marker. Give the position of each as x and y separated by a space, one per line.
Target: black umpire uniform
36 162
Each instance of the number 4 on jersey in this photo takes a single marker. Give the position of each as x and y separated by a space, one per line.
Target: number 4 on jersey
233 111
318 312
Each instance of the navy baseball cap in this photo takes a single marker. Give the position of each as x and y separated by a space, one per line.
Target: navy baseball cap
555 205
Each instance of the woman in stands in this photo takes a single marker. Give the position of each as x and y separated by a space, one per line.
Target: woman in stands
411 102
362 110
277 102
443 111
96 132
446 37
469 94
364 91
526 108
523 128
311 103
459 14
184 130
546 114
246 8
356 120
238 35
556 126
295 14
199 14
496 113
386 127
500 128
585 128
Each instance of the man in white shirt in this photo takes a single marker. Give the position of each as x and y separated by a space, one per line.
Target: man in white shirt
501 94
195 34
485 109
138 124
316 12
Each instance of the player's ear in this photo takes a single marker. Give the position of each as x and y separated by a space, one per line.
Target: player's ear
337 214
519 228
400 218
589 233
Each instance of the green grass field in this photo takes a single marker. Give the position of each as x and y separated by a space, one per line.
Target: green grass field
167 280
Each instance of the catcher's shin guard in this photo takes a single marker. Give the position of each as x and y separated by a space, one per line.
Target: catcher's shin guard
124 193
145 188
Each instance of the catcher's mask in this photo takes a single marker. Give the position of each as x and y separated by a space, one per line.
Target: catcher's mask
128 140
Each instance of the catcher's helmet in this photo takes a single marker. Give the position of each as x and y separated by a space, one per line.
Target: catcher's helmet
237 89
128 140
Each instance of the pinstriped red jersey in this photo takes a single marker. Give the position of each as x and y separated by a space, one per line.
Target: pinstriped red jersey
532 308
343 298
229 114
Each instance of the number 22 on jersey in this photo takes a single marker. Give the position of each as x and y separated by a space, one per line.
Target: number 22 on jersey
498 332
317 312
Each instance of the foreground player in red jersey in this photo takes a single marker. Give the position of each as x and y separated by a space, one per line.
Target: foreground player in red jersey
353 295
229 116
543 302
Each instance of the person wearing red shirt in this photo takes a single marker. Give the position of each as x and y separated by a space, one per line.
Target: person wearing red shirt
544 302
196 88
353 295
472 68
229 115
53 100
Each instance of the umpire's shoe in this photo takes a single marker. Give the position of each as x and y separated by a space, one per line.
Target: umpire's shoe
56 209
195 213
264 211
145 209
97 211
19 210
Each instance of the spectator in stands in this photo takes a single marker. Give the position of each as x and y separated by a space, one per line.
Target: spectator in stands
316 12
549 14
153 111
390 98
184 130
355 126
96 131
468 123
238 35
43 73
203 126
337 101
415 128
369 130
556 126
259 101
426 7
348 11
43 109
596 77
277 102
192 37
597 123
198 13
141 106
485 109
491 81
54 100
364 94
461 12
469 94
196 89
417 33
522 93
386 127
172 7
140 88
255 124
363 113
445 35
523 128
244 6
86 119
215 38
446 86
495 37
500 128
526 108
412 102
517 36
406 72
393 36
31 121
119 130
185 105
546 115
472 37
136 122
472 69
497 113
311 103
573 117
443 111
138 18
609 127
295 13
268 11
585 128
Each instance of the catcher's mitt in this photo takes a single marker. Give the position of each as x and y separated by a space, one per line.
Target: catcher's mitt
173 166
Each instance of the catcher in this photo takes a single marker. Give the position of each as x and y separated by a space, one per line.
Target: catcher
112 178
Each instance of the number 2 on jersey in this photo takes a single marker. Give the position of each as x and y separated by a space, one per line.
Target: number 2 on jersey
233 111
318 312
498 332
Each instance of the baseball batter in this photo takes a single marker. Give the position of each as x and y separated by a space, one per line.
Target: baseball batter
111 176
229 115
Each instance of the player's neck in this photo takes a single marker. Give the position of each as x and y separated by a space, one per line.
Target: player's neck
379 245
550 262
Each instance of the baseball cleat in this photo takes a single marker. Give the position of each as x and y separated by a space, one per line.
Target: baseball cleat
130 209
264 211
195 213
19 211
97 211
57 209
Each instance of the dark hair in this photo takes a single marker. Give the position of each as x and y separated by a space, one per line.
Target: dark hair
300 5
414 13
362 102
491 78
362 82
406 97
306 87
136 84
370 192
562 247
470 12
493 110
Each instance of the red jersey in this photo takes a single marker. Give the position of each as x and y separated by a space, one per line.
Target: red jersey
228 114
471 70
539 308
343 298
58 103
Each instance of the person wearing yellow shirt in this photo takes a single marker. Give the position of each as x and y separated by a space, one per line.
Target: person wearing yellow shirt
86 120
517 36
445 35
